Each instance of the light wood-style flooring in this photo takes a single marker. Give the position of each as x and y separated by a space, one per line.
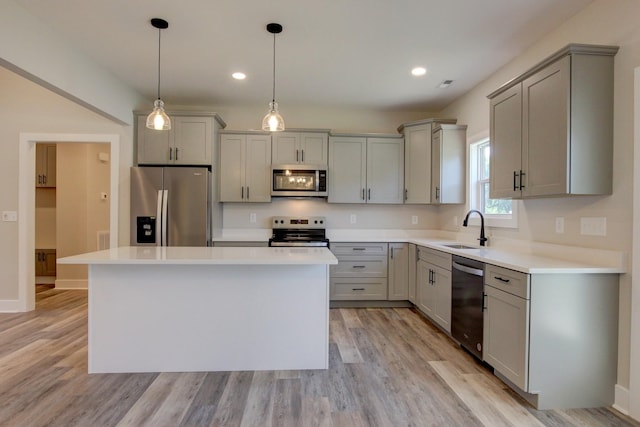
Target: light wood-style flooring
388 367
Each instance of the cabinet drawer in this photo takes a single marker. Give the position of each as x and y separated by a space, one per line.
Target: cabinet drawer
358 289
359 266
432 256
359 249
510 281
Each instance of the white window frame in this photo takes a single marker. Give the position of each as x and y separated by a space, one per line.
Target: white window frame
475 193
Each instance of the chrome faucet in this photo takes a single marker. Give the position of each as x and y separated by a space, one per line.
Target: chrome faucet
466 222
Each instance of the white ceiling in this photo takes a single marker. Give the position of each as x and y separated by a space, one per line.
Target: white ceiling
352 53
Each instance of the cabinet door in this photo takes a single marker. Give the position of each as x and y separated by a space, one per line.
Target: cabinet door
398 271
506 143
546 138
314 148
286 148
45 165
449 165
347 170
413 263
258 168
192 140
506 335
385 170
417 174
436 162
442 297
153 145
232 167
425 291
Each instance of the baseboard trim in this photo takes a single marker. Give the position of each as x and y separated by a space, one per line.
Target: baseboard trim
45 280
72 284
621 399
10 306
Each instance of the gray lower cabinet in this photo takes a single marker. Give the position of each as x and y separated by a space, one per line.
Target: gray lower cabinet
413 263
434 286
553 337
361 272
398 271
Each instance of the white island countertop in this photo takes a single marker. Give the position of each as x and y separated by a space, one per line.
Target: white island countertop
176 255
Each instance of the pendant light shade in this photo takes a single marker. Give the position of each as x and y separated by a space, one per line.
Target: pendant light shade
273 121
158 119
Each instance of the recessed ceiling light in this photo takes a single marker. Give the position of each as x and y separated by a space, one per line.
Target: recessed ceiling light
239 76
419 71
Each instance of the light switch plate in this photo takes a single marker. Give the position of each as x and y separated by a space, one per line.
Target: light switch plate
353 219
414 219
9 216
593 226
252 218
560 225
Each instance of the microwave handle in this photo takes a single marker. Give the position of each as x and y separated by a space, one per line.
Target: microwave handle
317 175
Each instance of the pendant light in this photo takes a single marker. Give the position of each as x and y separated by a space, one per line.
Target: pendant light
158 119
273 121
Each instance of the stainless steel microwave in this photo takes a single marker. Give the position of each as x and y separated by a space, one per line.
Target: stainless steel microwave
299 181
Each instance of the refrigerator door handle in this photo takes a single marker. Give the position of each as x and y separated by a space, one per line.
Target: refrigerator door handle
165 213
159 219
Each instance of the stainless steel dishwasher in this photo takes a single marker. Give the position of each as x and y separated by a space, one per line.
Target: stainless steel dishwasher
467 301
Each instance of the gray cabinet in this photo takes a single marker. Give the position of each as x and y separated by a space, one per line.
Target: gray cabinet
413 264
552 127
188 142
398 271
417 159
290 148
449 164
553 337
361 272
434 286
245 167
45 165
366 169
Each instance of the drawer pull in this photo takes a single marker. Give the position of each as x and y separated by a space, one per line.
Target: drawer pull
501 279
358 266
357 289
359 249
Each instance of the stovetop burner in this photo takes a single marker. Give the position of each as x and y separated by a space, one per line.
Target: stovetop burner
299 231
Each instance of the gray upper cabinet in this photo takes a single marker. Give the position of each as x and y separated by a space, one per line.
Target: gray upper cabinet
365 169
188 142
245 167
417 159
552 127
448 164
291 148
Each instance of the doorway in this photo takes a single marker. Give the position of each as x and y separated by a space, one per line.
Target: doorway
26 201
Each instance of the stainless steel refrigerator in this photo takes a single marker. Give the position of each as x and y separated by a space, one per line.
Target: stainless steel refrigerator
170 206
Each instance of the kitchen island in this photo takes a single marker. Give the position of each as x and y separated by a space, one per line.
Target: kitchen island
170 309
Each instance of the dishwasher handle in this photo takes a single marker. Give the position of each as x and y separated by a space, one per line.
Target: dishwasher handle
474 271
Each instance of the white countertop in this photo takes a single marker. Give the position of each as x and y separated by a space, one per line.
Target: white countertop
174 255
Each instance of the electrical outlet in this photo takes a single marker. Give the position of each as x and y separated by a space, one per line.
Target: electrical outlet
353 219
9 216
252 218
414 219
594 226
559 225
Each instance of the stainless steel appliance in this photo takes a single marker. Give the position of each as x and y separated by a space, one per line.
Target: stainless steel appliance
467 303
296 231
299 181
170 206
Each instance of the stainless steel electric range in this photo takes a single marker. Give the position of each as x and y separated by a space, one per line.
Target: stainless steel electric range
299 231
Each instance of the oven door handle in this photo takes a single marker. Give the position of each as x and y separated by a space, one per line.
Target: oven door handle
469 270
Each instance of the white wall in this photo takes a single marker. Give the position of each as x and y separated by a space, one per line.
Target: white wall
603 22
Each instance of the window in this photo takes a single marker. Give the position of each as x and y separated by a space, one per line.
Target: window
497 212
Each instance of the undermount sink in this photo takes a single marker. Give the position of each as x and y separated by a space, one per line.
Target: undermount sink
459 246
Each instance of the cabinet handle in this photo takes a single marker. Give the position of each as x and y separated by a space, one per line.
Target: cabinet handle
437 193
176 153
522 174
515 186
430 276
302 156
39 179
170 153
44 179
357 289
502 279
392 252
242 193
248 193
406 194
484 307
359 249
363 198
369 194
358 266
417 255
297 155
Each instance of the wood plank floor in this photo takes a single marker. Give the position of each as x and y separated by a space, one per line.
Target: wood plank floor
388 367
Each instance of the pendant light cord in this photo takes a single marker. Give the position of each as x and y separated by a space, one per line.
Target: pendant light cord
159 32
274 67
